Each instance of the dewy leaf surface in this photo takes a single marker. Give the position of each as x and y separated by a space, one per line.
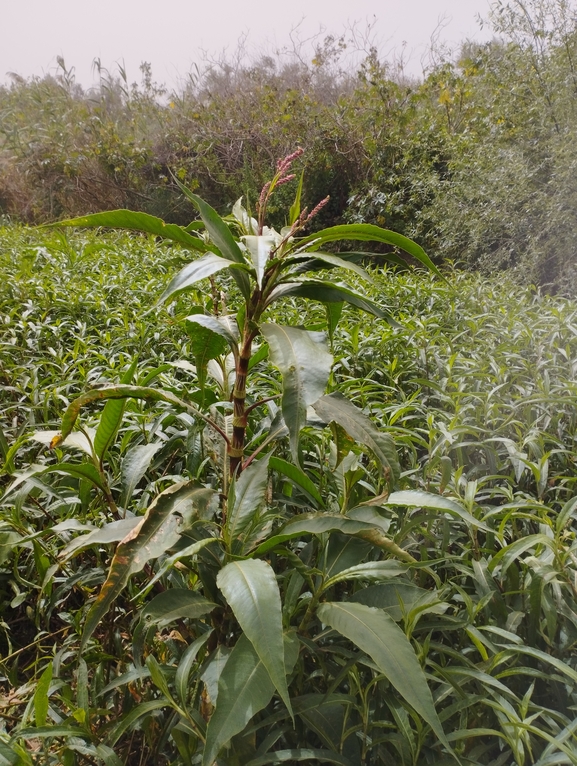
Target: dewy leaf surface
156 533
251 590
335 407
305 365
377 634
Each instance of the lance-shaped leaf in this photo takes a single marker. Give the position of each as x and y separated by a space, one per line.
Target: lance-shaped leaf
249 225
335 408
247 495
328 292
205 344
327 261
251 590
113 532
194 272
128 219
121 392
295 208
158 531
370 570
134 466
317 524
305 365
377 634
244 688
415 498
259 249
221 235
223 326
174 604
366 232
298 477
111 417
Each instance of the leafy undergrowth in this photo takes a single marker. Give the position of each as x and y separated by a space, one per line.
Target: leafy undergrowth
477 387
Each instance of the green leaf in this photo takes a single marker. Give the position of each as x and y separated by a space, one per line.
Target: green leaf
252 592
335 408
366 232
79 471
170 561
181 679
507 555
371 570
328 292
9 757
295 208
299 477
305 365
205 344
224 326
300 754
144 708
134 466
375 633
108 756
113 532
221 235
244 688
415 498
333 311
259 355
194 272
128 219
55 730
41 696
331 261
248 493
118 392
317 524
259 249
397 598
158 531
111 417
175 604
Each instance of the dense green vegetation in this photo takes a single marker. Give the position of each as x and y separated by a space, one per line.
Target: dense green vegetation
269 494
459 562
475 162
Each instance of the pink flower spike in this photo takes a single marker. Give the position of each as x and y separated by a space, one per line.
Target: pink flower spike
318 208
283 165
286 179
263 194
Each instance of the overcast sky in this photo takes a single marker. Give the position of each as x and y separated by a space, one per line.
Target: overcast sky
172 34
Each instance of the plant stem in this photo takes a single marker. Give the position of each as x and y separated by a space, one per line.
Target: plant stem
239 421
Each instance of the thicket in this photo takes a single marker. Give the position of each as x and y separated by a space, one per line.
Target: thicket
476 161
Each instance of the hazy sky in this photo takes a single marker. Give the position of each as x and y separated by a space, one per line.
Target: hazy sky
172 34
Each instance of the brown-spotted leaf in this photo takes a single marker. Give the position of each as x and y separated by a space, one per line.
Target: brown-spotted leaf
158 531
